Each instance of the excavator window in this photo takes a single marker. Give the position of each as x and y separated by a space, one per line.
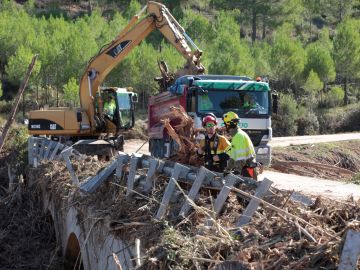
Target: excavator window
126 108
124 101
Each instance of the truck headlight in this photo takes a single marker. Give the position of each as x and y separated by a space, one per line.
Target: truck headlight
263 151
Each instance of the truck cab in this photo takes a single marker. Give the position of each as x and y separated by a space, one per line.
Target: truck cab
218 94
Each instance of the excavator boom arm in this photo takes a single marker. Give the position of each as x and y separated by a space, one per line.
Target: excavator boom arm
99 67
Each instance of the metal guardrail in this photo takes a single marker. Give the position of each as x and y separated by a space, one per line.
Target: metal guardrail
41 149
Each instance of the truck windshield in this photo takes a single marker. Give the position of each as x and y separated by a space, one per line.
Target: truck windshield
245 103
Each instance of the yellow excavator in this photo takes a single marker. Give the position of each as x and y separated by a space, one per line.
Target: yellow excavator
92 120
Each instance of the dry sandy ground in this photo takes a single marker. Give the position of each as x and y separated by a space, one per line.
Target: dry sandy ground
313 186
286 141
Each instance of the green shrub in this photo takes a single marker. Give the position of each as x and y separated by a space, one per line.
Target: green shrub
328 123
16 146
356 92
351 121
354 95
17 137
340 119
284 123
71 91
5 107
334 97
307 124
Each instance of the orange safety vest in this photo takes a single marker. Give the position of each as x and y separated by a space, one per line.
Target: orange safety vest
217 145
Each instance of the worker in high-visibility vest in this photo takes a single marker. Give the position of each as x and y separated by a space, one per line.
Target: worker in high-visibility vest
109 107
241 151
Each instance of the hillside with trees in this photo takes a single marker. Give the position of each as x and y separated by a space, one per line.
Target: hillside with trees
308 49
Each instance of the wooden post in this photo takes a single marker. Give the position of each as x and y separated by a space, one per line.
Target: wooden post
17 101
117 262
138 255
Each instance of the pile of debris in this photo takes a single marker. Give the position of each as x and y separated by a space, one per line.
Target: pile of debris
286 231
27 234
337 160
180 127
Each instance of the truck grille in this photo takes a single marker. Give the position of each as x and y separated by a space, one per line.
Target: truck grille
256 135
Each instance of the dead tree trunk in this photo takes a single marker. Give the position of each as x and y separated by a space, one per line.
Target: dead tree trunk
17 101
254 25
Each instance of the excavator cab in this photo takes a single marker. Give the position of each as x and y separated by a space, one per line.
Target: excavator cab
118 107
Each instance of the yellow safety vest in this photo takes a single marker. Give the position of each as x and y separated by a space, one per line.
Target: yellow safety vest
241 147
110 107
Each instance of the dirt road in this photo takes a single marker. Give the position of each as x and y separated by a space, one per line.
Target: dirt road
286 141
133 145
307 185
313 186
